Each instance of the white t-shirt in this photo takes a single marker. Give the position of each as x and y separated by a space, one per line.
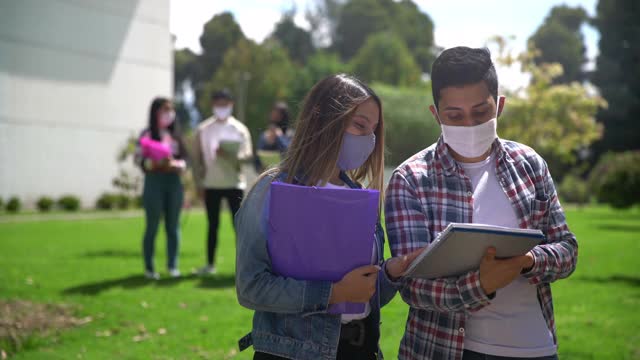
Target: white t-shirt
367 308
219 172
513 324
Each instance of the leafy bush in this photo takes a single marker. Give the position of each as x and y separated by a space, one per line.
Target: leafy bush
107 201
615 179
128 182
574 190
137 201
122 201
386 58
409 127
557 120
69 203
44 204
14 205
1 203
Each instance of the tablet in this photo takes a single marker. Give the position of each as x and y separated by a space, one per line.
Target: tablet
460 248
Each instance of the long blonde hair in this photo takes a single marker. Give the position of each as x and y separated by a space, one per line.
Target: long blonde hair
313 154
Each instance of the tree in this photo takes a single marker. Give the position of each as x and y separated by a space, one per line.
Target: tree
358 20
409 127
323 18
318 66
616 179
570 17
263 71
219 34
323 64
617 73
557 120
185 66
385 58
416 29
560 41
296 40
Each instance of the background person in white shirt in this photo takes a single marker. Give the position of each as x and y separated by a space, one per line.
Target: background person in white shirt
222 145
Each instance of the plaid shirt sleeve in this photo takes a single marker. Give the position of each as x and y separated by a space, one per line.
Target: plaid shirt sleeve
407 230
557 257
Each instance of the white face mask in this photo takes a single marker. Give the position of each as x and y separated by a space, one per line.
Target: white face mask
471 141
222 112
167 118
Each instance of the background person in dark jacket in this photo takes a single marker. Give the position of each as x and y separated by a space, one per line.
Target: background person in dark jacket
276 138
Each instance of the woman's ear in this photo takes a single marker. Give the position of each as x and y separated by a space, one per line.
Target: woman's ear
501 100
434 112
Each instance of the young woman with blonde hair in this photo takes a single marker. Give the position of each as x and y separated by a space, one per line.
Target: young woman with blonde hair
339 143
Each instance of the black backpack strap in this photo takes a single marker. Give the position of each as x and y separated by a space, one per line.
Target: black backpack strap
245 343
347 180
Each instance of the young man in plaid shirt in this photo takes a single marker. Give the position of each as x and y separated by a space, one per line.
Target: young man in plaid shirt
504 310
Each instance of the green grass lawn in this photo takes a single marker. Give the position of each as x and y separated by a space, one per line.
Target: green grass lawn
95 267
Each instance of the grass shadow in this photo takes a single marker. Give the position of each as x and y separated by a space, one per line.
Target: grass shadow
171 281
629 215
119 253
217 281
136 281
128 282
620 227
113 253
620 279
571 354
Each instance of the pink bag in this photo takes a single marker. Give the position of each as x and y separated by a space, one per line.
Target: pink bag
155 150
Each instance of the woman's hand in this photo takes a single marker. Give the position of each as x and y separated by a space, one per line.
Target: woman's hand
357 286
396 266
157 165
177 165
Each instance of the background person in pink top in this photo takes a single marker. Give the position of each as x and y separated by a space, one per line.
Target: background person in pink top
163 192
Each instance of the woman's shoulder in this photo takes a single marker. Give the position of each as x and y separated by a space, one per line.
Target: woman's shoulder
268 177
259 192
144 133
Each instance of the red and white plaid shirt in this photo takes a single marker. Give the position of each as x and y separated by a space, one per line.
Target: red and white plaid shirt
429 191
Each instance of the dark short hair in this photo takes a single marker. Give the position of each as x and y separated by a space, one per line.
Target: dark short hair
223 94
461 66
283 109
156 105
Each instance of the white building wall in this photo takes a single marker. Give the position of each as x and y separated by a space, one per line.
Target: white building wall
76 79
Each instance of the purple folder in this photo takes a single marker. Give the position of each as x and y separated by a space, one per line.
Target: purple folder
321 233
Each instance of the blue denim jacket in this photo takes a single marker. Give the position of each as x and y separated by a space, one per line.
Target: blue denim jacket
291 318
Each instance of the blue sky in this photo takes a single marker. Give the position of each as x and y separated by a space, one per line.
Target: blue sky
457 22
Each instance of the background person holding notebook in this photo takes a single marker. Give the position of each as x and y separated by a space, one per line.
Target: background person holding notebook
338 143
504 310
222 144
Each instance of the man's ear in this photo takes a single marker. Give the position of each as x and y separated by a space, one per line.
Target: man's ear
501 100
434 112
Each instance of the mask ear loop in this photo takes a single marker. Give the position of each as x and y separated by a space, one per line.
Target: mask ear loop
435 113
500 104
